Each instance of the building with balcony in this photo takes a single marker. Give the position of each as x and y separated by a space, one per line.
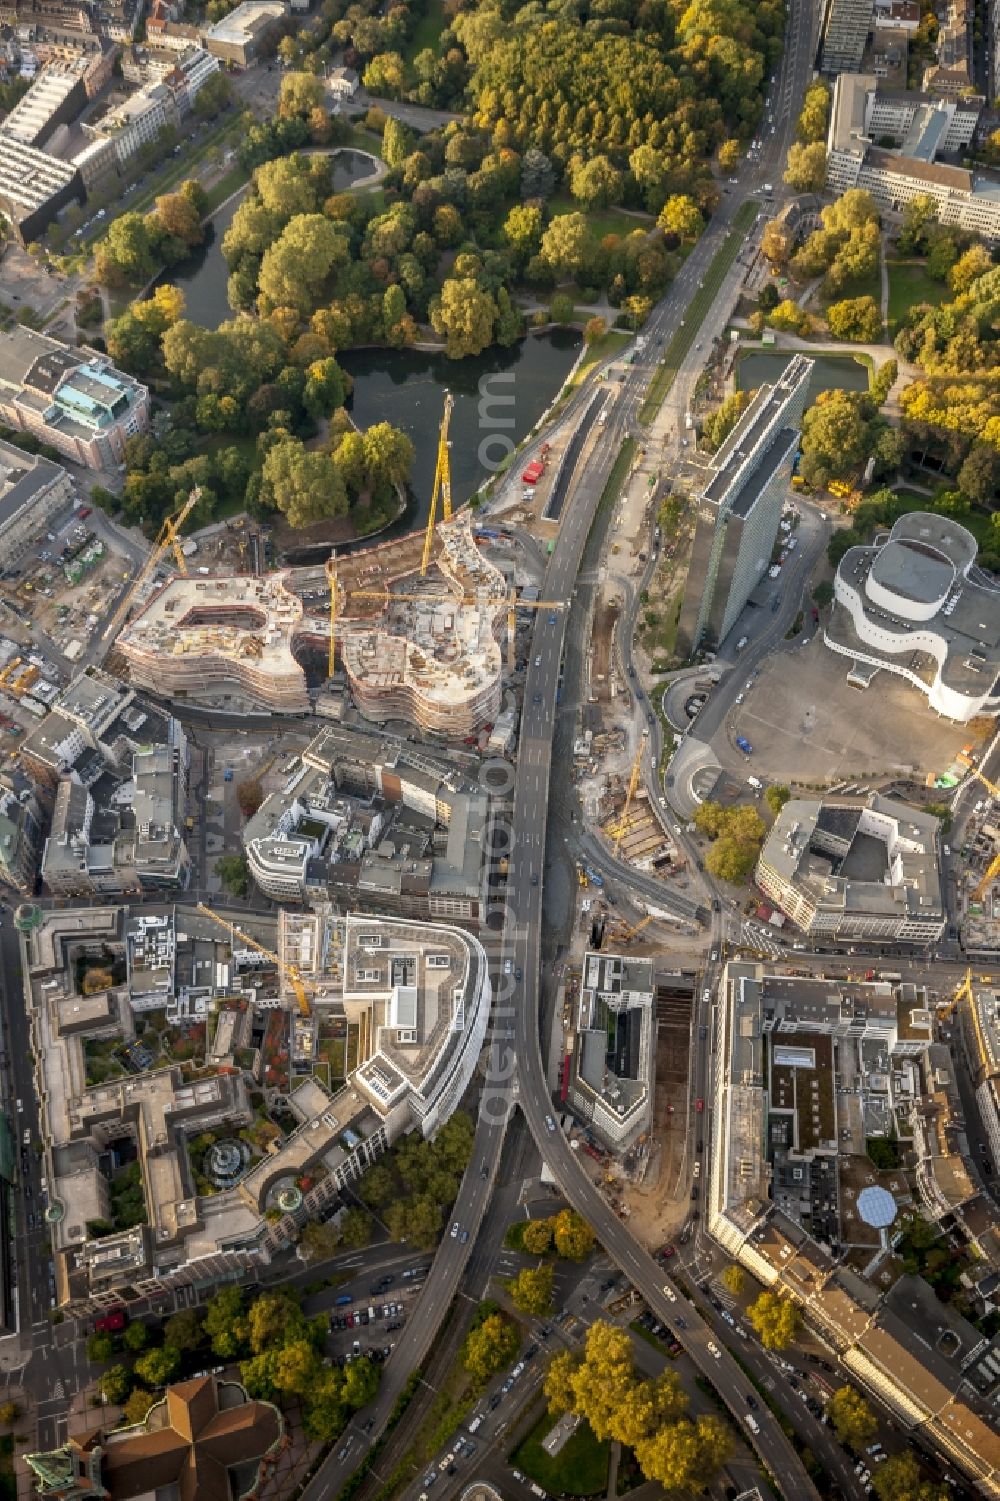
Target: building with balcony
869 872
845 33
739 509
915 604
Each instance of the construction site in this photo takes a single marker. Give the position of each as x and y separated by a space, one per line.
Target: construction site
415 626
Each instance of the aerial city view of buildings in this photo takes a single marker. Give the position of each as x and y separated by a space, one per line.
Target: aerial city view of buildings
499 753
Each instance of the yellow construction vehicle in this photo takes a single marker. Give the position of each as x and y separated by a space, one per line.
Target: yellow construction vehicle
442 482
287 971
635 929
990 874
620 826
167 538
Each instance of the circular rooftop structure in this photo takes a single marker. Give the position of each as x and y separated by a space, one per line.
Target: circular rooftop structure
877 1207
911 578
27 917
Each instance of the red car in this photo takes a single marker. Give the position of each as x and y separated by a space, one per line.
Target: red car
666 1252
83 512
699 1105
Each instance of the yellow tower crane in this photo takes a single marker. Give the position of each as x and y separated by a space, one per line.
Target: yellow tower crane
963 993
990 874
168 537
620 827
991 787
289 971
442 482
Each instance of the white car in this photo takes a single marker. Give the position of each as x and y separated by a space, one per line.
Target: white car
454 1230
669 1293
714 1350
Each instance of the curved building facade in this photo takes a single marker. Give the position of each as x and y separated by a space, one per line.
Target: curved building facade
916 604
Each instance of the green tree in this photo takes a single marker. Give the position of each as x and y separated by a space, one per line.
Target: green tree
389 455
858 319
852 1417
158 1367
377 1186
318 1241
595 182
538 178
681 216
572 1236
183 1330
116 1383
396 143
415 1221
815 114
900 1478
226 1324
464 313
536 1237
776 1319
567 245
325 389
719 424
100 1347
136 1336
837 437
594 329
776 797
356 1228
531 1290
137 1406
969 268
9 1413
977 478
302 483
274 1318
125 256
735 1278
299 95
523 228
805 170
489 1347
234 873
361 1381
562 308
883 382
385 75
297 270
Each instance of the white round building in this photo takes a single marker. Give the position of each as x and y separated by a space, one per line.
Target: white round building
916 604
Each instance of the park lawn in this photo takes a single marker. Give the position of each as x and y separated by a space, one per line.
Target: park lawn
230 182
686 333
603 221
579 1469
612 342
979 523
428 30
909 285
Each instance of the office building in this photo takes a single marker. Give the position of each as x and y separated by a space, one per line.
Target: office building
55 98
807 1069
74 399
861 115
137 121
739 509
416 996
868 872
845 33
611 1063
915 604
20 839
33 490
247 32
34 187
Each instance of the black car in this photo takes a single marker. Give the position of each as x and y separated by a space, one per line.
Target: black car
519 975
751 1401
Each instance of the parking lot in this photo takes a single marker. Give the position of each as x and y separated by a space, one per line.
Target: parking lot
805 722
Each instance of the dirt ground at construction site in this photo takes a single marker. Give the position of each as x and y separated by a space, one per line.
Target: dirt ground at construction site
656 1211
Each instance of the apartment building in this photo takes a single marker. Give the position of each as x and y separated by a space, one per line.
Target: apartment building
33 490
867 872
74 399
739 509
